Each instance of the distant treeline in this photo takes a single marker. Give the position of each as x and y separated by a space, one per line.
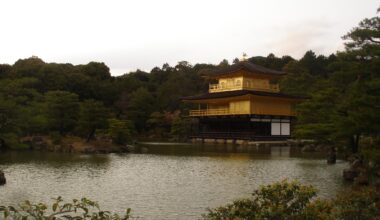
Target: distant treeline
85 100
41 98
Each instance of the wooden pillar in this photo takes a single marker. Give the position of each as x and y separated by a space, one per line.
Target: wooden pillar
199 126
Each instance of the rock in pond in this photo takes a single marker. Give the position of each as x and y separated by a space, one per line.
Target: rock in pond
350 174
357 164
362 179
331 158
2 178
308 148
128 148
144 150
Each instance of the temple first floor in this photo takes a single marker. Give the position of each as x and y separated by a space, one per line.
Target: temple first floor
243 127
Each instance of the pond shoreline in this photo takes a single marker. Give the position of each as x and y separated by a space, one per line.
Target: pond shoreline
70 144
74 144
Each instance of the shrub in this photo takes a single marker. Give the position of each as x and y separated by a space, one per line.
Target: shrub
120 131
293 201
11 141
359 204
77 209
280 200
180 129
318 210
56 137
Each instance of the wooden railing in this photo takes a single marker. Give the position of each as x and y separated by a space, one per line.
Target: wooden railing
211 112
220 88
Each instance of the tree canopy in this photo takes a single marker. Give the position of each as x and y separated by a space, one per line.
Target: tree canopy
344 102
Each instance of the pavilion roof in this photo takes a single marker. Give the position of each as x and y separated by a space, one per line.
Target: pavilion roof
244 65
236 93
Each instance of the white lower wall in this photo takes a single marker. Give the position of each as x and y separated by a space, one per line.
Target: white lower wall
280 128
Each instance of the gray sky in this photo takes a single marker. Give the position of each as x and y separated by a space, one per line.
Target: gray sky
127 34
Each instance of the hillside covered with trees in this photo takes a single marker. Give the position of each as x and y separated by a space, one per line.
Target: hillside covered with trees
39 98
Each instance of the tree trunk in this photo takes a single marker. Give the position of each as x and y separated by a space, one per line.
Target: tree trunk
354 141
61 129
2 144
91 135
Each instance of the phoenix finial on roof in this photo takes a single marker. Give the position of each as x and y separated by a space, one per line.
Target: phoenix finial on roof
244 58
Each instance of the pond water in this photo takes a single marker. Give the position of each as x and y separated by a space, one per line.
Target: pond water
167 182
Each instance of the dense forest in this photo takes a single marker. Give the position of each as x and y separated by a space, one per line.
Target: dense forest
39 98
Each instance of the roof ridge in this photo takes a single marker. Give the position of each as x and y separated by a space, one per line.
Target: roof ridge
239 93
251 67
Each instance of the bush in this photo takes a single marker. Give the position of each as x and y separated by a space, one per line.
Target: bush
77 209
282 200
120 131
360 204
11 141
291 200
180 129
318 210
56 137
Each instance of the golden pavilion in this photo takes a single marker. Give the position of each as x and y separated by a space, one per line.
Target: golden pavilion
244 103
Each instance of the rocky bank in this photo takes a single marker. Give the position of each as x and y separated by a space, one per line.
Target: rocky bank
72 144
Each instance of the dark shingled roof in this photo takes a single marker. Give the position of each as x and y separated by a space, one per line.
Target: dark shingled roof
217 95
245 65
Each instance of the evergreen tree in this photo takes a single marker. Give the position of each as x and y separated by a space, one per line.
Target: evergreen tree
93 116
62 110
346 106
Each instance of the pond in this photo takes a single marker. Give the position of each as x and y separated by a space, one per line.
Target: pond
167 182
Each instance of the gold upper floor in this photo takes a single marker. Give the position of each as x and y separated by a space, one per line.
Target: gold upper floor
246 105
244 83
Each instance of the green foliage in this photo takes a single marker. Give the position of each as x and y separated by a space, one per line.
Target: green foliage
298 81
56 137
271 61
168 124
96 70
8 113
360 204
37 98
82 209
141 105
5 70
93 116
365 36
343 106
181 128
32 117
159 124
318 210
311 124
282 200
372 154
291 200
28 67
120 130
11 141
62 110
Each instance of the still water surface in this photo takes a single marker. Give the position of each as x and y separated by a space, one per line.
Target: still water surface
168 182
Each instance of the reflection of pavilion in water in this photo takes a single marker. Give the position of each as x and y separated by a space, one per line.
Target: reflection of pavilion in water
273 151
280 151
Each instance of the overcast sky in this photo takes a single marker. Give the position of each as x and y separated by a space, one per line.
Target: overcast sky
127 35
